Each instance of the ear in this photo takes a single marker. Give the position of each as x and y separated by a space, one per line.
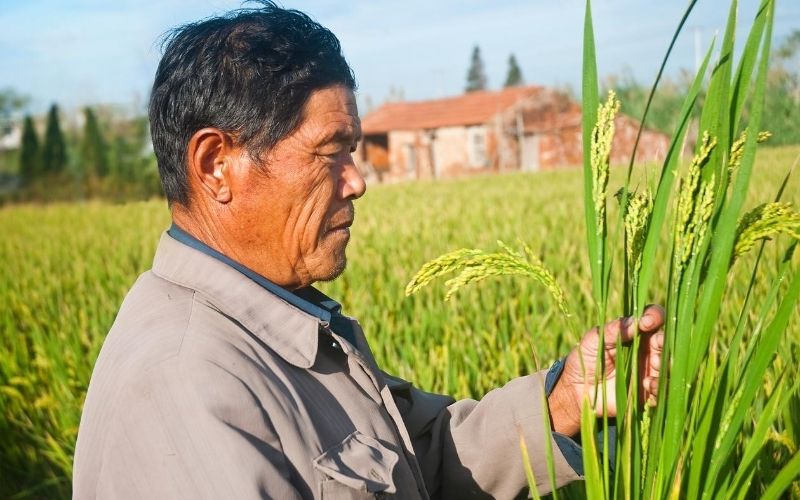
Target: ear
209 161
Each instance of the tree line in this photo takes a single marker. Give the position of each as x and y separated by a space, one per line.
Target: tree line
781 106
781 115
111 157
476 74
113 162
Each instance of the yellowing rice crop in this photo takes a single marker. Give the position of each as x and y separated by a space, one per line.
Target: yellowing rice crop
66 269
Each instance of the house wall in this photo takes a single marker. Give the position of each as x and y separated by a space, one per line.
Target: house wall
564 147
652 145
450 150
408 156
439 153
549 125
561 148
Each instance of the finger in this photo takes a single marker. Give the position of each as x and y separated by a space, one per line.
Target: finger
650 386
651 352
652 318
621 328
656 342
653 363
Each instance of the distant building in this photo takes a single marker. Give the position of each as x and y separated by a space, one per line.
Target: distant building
519 128
10 136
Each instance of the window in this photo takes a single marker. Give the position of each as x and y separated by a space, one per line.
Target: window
411 160
476 147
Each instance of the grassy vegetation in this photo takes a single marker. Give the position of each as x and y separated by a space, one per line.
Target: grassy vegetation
703 439
67 267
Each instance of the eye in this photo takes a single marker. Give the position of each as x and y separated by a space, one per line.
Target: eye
335 153
330 158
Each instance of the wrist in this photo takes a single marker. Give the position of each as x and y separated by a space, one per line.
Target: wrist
565 412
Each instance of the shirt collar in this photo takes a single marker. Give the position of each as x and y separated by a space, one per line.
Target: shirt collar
308 299
290 331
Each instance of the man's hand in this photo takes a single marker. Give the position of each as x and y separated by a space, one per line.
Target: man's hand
578 378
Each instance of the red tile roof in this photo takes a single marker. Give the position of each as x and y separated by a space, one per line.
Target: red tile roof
468 109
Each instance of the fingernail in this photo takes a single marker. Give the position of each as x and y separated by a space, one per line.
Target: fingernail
646 321
627 322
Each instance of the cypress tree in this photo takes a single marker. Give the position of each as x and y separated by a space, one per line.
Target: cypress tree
29 159
514 75
94 151
476 76
54 152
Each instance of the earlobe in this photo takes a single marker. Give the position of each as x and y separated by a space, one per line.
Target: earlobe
224 191
208 155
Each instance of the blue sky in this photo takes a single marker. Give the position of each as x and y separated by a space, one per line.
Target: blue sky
78 52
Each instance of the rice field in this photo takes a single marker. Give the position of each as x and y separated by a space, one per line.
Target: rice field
66 269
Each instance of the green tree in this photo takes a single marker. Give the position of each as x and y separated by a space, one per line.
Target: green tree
782 101
128 150
29 158
514 74
476 76
666 106
54 152
93 149
790 47
10 101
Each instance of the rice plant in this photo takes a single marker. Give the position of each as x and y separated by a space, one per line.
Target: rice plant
726 396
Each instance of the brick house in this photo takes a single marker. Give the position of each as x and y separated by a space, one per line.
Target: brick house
520 128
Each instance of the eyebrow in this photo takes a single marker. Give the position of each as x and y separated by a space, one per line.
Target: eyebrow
342 135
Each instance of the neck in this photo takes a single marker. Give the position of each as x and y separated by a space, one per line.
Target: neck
208 228
203 227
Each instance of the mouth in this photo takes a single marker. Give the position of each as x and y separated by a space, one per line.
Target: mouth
343 227
341 222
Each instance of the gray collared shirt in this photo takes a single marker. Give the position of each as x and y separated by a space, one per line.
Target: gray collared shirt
308 299
210 386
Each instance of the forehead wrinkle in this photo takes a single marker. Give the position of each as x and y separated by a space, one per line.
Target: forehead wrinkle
345 134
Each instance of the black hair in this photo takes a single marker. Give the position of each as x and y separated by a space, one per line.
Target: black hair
248 73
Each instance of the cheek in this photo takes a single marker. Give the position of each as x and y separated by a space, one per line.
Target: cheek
315 212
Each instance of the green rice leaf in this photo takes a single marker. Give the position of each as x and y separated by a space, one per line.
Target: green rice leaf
725 230
591 101
763 354
755 443
591 459
745 70
665 183
784 479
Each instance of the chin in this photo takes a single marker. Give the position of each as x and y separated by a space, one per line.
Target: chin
334 259
334 271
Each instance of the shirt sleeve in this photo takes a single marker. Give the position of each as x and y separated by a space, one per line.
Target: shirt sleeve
471 449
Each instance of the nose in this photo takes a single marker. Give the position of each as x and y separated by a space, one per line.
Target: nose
351 182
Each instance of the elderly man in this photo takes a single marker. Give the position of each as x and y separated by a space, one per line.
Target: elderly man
226 375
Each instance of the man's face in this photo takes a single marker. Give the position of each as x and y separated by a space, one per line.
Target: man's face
294 218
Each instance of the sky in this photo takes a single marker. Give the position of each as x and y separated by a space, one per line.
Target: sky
79 52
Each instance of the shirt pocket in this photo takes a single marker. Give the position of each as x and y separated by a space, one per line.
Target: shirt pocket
358 467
